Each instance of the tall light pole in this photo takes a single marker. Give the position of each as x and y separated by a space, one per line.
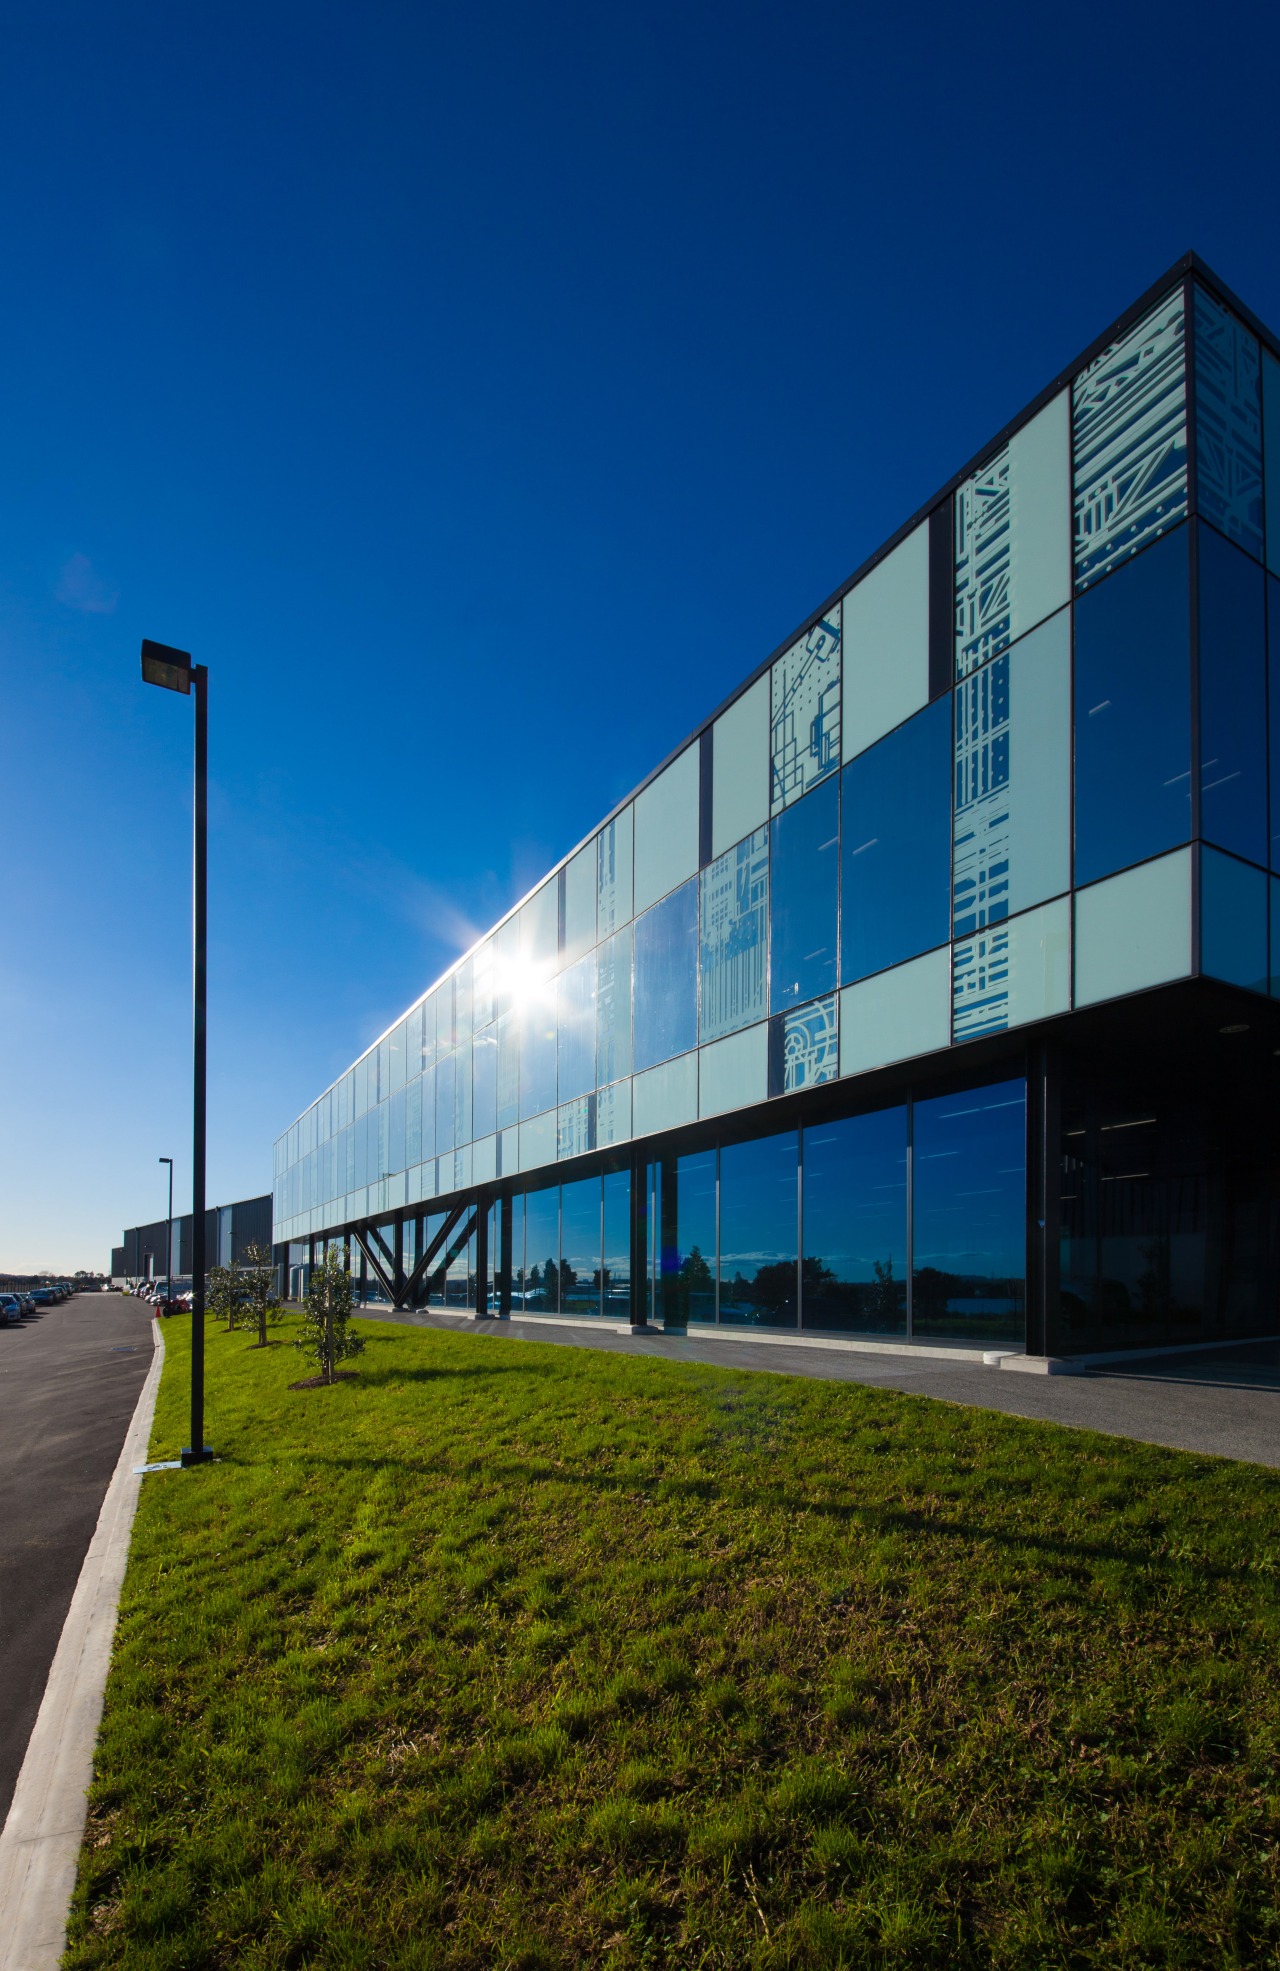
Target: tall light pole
174 671
168 1235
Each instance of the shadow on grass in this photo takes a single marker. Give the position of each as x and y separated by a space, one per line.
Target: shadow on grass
871 1520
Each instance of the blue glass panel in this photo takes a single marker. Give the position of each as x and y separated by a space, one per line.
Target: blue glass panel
855 1224
617 1243
445 1084
484 1077
538 1053
759 1228
1228 424
1133 712
896 856
613 1008
969 1214
666 978
689 1266
1233 921
734 937
804 881
576 1012
1233 698
507 1028
1273 701
580 1234
1274 945
542 1251
395 1133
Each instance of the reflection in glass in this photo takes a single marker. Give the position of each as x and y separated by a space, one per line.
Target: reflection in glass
969 1214
804 878
445 1084
666 978
1133 712
734 937
759 1192
537 1054
613 898
1233 921
689 1240
542 1251
580 1247
805 721
484 1078
1273 701
855 1224
896 860
617 1244
809 1046
507 1030
576 1017
462 1131
1233 698
613 1007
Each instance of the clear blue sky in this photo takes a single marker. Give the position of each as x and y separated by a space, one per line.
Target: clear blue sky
481 392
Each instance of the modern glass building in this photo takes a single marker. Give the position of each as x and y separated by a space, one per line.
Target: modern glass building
929 989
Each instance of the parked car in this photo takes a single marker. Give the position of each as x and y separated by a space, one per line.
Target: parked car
10 1310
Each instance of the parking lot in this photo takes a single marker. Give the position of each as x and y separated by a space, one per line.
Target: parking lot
69 1380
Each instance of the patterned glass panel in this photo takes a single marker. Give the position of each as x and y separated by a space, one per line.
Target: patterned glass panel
983 601
981 872
805 732
1130 442
1228 424
734 937
810 1045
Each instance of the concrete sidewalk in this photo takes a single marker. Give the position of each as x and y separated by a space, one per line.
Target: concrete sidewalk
1223 1402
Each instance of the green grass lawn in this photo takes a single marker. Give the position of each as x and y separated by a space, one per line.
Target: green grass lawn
514 1655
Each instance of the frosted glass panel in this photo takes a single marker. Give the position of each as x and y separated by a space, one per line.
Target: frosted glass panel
734 1072
805 722
740 768
1012 824
1134 930
733 937
1233 921
538 1142
613 1007
1013 972
666 1096
580 902
613 1114
896 1014
886 644
666 847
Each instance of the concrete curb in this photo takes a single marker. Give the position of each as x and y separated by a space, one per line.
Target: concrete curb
40 1841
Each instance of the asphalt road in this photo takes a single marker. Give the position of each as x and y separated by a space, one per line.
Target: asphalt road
69 1381
1225 1402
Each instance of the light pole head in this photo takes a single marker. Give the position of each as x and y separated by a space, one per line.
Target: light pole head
167 667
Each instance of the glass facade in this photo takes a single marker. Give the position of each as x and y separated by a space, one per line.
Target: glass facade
1026 762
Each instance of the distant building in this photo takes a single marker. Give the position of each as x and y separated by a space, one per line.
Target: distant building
929 989
228 1230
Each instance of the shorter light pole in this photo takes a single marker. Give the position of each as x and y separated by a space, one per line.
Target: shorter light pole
168 1235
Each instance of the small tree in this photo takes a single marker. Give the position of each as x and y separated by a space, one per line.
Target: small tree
326 1312
222 1295
258 1286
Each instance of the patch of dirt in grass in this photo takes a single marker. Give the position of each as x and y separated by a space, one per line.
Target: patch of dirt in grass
325 1382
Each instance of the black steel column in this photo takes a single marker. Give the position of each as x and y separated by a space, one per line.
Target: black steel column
482 1254
504 1260
1044 1203
197 1451
639 1245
